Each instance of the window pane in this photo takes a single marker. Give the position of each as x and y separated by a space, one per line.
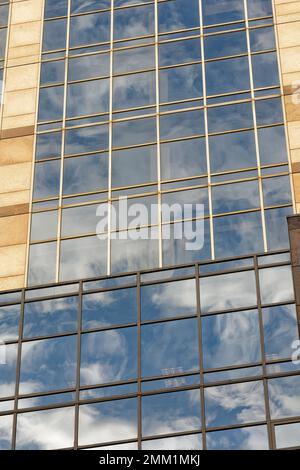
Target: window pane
174 15
284 395
232 151
251 438
89 66
276 285
280 330
9 323
86 139
225 118
134 166
171 412
183 159
90 29
168 300
88 98
109 308
236 290
131 22
226 76
8 352
85 174
107 422
133 91
180 83
192 442
48 145
50 317
108 356
46 430
82 258
6 423
234 404
287 435
235 197
238 234
44 225
46 179
42 263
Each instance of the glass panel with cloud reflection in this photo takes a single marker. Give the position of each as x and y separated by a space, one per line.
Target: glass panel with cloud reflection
169 347
48 364
251 438
108 421
108 356
46 430
109 308
231 339
236 290
171 412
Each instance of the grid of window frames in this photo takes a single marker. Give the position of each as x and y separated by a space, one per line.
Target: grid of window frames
154 360
160 103
4 10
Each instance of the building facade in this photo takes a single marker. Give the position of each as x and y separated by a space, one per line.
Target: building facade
124 339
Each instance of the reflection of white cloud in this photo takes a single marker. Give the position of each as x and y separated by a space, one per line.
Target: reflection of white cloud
48 429
239 403
228 291
96 426
5 431
276 284
253 438
172 297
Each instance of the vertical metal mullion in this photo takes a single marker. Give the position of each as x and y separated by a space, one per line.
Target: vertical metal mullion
139 399
205 111
159 197
261 197
18 370
78 361
201 366
111 71
263 355
60 203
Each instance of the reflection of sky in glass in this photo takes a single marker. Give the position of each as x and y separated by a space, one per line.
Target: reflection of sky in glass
108 356
171 412
171 345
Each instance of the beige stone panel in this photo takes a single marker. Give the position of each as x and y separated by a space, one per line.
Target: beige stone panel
13 230
19 102
11 283
289 34
27 10
295 156
13 260
14 198
287 8
17 122
294 134
292 108
15 177
17 150
290 59
21 78
25 33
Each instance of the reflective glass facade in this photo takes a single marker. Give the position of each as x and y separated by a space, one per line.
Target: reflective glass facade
154 360
162 104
